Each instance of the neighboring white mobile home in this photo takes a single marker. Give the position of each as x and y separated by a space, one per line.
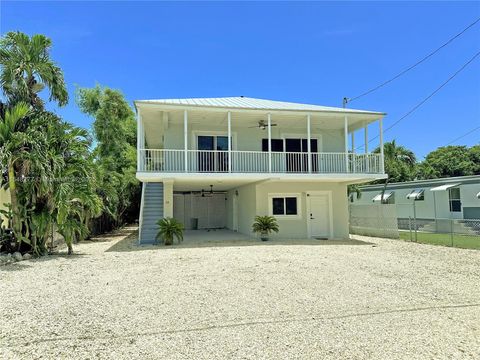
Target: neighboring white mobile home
218 162
444 198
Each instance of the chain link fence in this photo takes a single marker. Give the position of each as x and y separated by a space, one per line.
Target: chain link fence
464 233
378 220
382 220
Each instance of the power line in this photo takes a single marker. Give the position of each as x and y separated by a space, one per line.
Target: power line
414 65
427 98
462 136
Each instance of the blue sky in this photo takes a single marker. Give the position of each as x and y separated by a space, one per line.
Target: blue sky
302 52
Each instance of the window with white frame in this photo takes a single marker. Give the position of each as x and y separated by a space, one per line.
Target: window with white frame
454 199
284 205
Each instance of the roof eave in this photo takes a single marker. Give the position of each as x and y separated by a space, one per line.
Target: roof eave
179 106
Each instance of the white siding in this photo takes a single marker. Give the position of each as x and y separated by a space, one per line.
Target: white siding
253 200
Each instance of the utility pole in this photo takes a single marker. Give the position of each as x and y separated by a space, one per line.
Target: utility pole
345 102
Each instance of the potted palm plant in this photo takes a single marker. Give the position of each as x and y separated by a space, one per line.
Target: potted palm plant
170 228
264 225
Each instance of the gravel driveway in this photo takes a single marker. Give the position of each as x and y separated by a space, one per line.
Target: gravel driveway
383 300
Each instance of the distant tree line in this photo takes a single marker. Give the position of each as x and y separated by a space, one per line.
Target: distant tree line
402 165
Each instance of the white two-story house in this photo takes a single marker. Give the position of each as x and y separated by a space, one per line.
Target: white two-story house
218 162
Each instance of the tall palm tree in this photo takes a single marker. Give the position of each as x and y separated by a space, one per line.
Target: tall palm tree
395 152
27 69
11 150
400 162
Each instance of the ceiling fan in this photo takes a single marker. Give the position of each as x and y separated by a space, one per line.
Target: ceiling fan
208 193
262 124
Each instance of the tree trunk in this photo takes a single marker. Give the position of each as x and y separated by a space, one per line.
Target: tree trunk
16 224
383 190
70 249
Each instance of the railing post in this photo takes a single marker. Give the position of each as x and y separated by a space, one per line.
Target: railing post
185 138
269 143
229 120
367 157
309 145
345 133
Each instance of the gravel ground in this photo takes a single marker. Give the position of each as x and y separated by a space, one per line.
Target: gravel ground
383 300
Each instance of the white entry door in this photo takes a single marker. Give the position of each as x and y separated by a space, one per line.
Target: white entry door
319 216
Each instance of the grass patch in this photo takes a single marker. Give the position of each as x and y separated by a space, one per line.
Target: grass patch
461 241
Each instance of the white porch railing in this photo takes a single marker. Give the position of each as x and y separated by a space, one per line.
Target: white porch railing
216 161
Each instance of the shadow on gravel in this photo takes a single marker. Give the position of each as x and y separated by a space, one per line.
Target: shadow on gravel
130 243
18 266
109 237
17 342
25 264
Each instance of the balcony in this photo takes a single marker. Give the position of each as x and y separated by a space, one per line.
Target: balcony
214 161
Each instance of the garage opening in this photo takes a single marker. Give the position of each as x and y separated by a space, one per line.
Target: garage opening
201 210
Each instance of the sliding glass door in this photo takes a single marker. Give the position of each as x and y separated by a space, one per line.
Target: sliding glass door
297 157
296 153
210 160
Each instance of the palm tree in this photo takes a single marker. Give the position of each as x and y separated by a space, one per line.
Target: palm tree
11 151
72 197
168 229
264 225
400 162
27 69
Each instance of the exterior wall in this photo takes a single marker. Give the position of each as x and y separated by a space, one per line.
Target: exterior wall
426 209
230 195
254 200
4 199
468 196
250 139
247 208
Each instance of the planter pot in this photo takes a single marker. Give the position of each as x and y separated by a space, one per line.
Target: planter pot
264 237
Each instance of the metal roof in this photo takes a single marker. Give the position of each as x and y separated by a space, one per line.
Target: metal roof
462 180
444 187
241 102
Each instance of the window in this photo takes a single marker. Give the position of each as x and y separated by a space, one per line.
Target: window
454 199
416 195
388 197
287 205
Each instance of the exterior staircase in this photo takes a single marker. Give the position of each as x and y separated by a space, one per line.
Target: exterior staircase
151 211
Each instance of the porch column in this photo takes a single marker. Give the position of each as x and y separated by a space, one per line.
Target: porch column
139 134
367 157
229 134
345 134
269 143
382 165
185 138
354 159
309 145
366 137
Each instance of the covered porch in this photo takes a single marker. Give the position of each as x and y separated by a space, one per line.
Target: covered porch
179 139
